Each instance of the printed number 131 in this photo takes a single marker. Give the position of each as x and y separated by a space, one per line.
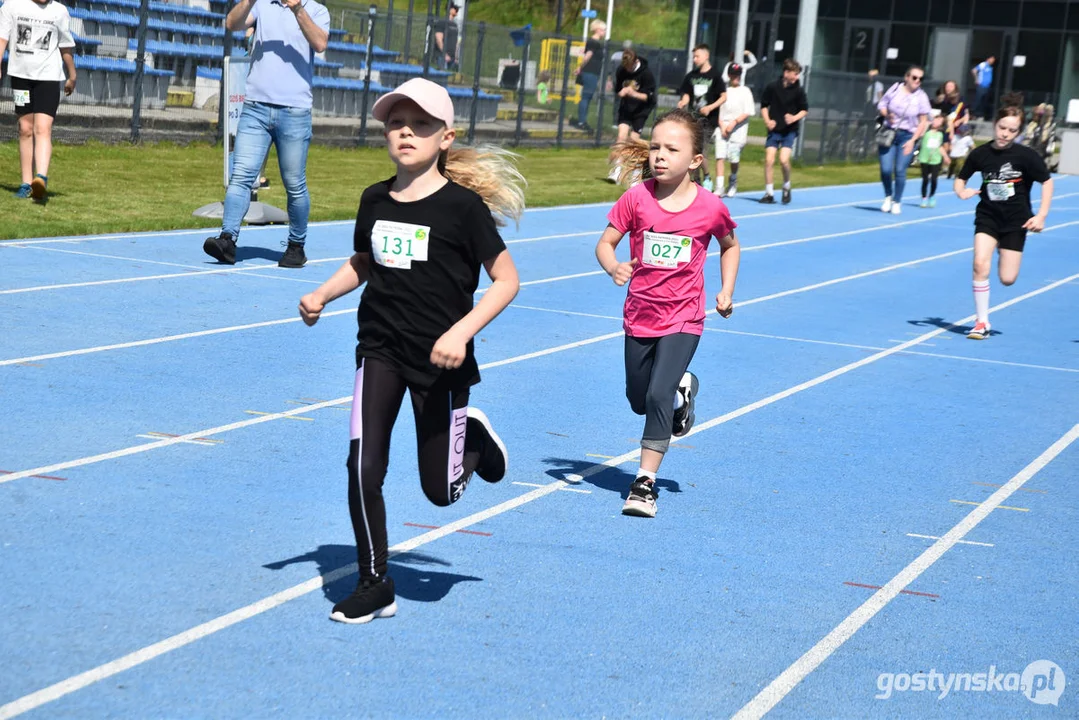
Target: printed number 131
398 245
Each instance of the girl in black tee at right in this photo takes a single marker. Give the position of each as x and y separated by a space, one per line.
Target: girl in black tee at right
1004 213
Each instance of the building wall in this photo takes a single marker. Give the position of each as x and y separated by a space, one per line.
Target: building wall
854 35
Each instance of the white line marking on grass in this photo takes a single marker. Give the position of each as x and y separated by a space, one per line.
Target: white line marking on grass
962 542
77 682
779 688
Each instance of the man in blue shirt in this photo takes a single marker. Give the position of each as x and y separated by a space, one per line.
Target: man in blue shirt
983 83
277 109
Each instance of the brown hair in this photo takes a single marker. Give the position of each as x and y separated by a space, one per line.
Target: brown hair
702 46
491 172
629 57
792 65
1011 105
632 156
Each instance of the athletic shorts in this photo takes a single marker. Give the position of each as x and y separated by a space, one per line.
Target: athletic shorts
1006 239
634 120
728 149
35 96
781 140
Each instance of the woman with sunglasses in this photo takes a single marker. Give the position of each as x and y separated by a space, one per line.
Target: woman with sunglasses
905 109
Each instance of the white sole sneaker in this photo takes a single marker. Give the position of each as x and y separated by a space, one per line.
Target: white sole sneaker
383 612
481 417
896 208
886 206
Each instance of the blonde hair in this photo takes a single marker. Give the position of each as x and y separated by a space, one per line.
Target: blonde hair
597 24
490 172
629 157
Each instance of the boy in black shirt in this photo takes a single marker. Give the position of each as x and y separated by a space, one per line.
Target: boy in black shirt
1004 215
783 105
703 91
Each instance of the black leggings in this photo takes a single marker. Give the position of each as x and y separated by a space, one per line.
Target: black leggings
446 460
654 366
929 179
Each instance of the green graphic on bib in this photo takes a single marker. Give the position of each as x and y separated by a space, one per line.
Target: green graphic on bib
666 251
398 245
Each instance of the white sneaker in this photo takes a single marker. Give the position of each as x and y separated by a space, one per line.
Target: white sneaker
896 208
732 190
615 172
886 206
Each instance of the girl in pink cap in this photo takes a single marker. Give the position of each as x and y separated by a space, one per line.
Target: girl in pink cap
670 220
421 238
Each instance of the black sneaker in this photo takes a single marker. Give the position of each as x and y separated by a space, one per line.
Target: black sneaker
786 196
642 499
373 598
493 456
294 256
221 248
767 200
587 128
684 416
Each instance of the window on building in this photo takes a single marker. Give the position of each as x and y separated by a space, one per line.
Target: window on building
871 9
909 40
911 10
961 10
940 11
1037 79
1038 14
832 9
996 13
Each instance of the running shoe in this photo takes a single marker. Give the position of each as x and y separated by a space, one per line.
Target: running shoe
707 184
933 201
23 191
980 331
924 203
373 598
38 187
221 248
886 206
294 256
732 190
786 196
684 416
767 200
494 459
642 499
897 207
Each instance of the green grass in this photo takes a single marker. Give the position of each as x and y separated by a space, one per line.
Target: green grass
99 188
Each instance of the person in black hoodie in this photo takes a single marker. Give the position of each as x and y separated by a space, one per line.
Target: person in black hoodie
636 91
783 105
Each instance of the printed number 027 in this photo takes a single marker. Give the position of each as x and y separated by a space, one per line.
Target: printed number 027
664 251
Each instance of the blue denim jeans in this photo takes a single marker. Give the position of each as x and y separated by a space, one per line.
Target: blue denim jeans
893 161
289 129
589 81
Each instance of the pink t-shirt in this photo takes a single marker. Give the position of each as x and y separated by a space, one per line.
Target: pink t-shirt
666 290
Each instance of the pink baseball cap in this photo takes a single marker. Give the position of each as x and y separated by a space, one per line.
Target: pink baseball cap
431 97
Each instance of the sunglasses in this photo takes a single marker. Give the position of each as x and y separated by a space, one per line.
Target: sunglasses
916 78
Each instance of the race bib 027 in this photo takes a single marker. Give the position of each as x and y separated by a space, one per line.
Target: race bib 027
666 251
398 245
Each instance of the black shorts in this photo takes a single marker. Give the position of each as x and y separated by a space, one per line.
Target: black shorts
1006 239
38 96
635 120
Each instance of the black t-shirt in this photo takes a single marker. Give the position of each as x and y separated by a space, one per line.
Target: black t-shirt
449 31
595 63
425 264
703 88
1007 176
784 100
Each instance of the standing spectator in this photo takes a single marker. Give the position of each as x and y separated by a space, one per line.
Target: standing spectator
749 60
733 131
955 112
703 91
277 109
983 83
446 41
783 105
958 150
905 109
41 53
588 73
636 93
874 91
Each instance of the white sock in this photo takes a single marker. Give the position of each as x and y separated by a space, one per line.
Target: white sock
787 185
719 181
769 189
679 401
648 474
981 300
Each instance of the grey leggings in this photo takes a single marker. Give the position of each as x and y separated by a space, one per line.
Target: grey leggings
653 368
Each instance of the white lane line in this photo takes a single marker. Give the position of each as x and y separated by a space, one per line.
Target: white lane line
185 336
779 688
166 338
566 489
77 682
962 542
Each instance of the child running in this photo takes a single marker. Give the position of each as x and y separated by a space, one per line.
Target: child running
1004 214
419 242
931 158
670 221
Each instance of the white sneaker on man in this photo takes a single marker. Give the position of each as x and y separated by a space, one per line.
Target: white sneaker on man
886 206
897 208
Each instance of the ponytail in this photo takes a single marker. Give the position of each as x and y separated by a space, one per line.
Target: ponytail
490 172
630 157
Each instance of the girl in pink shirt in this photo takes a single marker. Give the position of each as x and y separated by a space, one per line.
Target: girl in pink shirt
670 220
